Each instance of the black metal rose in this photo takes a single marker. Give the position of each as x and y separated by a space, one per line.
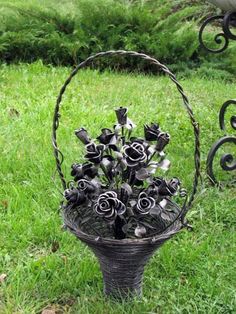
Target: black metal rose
94 152
145 203
162 140
74 197
169 188
121 115
134 154
157 181
153 188
82 134
79 171
141 141
151 132
123 121
109 206
107 137
86 186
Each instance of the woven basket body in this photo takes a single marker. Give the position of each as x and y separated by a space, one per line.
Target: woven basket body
122 262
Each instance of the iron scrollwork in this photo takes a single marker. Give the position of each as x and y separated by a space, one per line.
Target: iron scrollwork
228 160
226 21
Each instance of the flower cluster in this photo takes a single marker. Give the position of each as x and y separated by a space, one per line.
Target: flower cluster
118 181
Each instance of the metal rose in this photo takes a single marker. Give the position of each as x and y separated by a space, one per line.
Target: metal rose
140 141
145 203
157 181
169 188
107 137
109 206
79 171
94 152
86 186
162 140
74 197
121 115
134 154
82 134
123 120
151 132
153 187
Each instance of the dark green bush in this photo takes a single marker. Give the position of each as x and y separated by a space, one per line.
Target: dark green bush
64 33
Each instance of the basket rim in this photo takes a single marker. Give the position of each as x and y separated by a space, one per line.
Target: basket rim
127 241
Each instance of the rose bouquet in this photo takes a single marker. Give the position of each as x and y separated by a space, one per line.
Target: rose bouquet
116 193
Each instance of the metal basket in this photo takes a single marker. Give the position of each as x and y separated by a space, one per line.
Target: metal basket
122 262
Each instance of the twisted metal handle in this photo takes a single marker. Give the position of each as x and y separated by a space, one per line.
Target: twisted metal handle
59 156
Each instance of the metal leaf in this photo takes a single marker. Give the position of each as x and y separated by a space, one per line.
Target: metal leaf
127 188
163 203
164 164
142 174
140 231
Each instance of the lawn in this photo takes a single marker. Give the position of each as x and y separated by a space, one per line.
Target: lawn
47 267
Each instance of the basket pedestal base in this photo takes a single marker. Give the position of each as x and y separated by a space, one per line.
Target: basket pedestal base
121 278
122 268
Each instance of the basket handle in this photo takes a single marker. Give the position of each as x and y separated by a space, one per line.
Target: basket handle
59 156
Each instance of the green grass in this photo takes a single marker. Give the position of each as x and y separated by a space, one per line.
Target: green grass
192 273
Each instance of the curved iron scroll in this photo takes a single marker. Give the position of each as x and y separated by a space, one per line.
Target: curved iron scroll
223 37
227 161
222 114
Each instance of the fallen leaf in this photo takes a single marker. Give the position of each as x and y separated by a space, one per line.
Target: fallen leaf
3 277
13 112
48 312
55 246
4 204
54 309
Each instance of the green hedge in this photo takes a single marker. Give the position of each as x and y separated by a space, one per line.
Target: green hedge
63 33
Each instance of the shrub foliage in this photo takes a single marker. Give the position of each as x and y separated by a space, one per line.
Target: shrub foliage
63 33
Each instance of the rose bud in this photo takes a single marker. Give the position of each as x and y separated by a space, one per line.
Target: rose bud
79 171
74 197
106 137
121 115
169 188
151 132
162 140
82 135
94 153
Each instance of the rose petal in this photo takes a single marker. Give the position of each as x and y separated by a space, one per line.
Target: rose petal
3 277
